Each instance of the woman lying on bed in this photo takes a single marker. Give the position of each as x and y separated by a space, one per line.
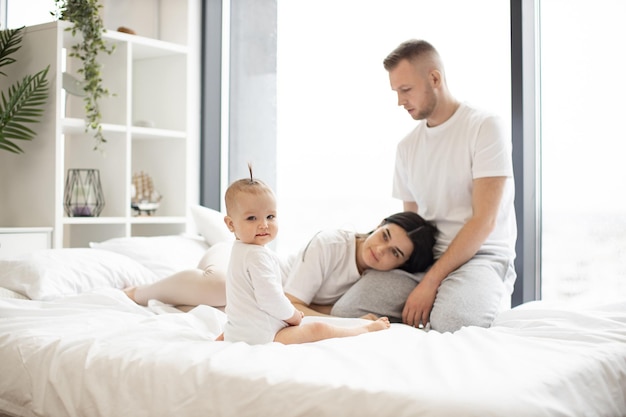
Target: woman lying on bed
316 276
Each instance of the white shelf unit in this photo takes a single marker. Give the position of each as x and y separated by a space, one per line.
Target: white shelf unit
152 83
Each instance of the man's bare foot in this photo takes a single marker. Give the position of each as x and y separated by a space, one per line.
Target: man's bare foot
130 293
380 324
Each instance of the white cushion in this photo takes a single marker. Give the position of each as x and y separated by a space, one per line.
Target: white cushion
163 255
53 273
210 224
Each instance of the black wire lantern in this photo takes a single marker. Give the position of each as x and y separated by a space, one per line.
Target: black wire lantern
83 193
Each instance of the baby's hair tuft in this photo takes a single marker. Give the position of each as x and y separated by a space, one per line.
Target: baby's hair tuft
250 170
246 185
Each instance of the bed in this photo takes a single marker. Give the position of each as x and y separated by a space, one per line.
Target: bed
72 344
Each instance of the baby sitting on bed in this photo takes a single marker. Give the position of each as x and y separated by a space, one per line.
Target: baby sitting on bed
257 309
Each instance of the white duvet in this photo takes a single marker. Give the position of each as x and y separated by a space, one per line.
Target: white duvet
98 354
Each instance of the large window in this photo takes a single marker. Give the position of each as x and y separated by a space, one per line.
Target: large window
583 87
28 13
338 122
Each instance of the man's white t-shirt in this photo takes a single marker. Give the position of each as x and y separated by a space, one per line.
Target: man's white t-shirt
256 304
324 269
435 167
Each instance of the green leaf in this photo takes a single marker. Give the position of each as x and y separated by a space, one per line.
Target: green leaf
22 106
10 40
8 146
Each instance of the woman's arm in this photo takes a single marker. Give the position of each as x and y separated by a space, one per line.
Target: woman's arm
309 309
319 310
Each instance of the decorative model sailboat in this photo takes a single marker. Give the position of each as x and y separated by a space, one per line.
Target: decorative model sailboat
145 200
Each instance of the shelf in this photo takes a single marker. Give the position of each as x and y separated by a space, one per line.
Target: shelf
123 220
152 133
149 80
77 126
158 220
146 48
143 48
94 220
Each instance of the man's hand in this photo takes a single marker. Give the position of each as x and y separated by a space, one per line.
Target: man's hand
419 304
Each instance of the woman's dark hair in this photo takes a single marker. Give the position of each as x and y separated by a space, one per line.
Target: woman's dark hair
423 235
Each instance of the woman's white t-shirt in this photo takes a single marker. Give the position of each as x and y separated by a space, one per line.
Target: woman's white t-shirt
322 271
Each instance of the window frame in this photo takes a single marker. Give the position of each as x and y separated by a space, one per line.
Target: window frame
525 123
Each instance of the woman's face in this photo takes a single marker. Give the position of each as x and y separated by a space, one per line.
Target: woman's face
386 248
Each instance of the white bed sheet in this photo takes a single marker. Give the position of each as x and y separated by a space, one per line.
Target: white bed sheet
98 354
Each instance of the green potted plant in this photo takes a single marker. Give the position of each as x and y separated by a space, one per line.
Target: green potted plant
23 102
85 15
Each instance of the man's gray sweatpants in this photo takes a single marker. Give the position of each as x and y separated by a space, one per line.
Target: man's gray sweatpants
472 295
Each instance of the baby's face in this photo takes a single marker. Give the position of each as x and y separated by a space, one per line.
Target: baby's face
253 218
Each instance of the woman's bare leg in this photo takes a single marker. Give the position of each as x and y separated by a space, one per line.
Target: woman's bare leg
186 288
312 332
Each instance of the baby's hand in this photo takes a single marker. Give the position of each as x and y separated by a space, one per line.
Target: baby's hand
296 318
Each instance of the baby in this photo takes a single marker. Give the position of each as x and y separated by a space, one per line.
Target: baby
257 309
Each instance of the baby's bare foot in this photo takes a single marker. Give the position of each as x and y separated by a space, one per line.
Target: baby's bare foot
130 293
380 324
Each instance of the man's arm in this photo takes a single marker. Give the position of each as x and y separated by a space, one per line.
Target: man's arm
486 197
410 206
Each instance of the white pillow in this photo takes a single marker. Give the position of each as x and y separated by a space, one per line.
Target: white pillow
210 224
7 293
53 273
163 255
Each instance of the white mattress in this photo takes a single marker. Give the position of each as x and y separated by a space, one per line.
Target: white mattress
98 354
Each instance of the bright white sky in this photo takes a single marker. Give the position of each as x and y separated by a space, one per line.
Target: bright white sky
338 122
583 107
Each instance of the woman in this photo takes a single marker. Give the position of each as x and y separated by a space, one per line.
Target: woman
318 275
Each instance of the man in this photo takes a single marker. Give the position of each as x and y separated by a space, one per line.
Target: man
454 169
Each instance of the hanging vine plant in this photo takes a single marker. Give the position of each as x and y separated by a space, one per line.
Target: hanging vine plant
85 15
